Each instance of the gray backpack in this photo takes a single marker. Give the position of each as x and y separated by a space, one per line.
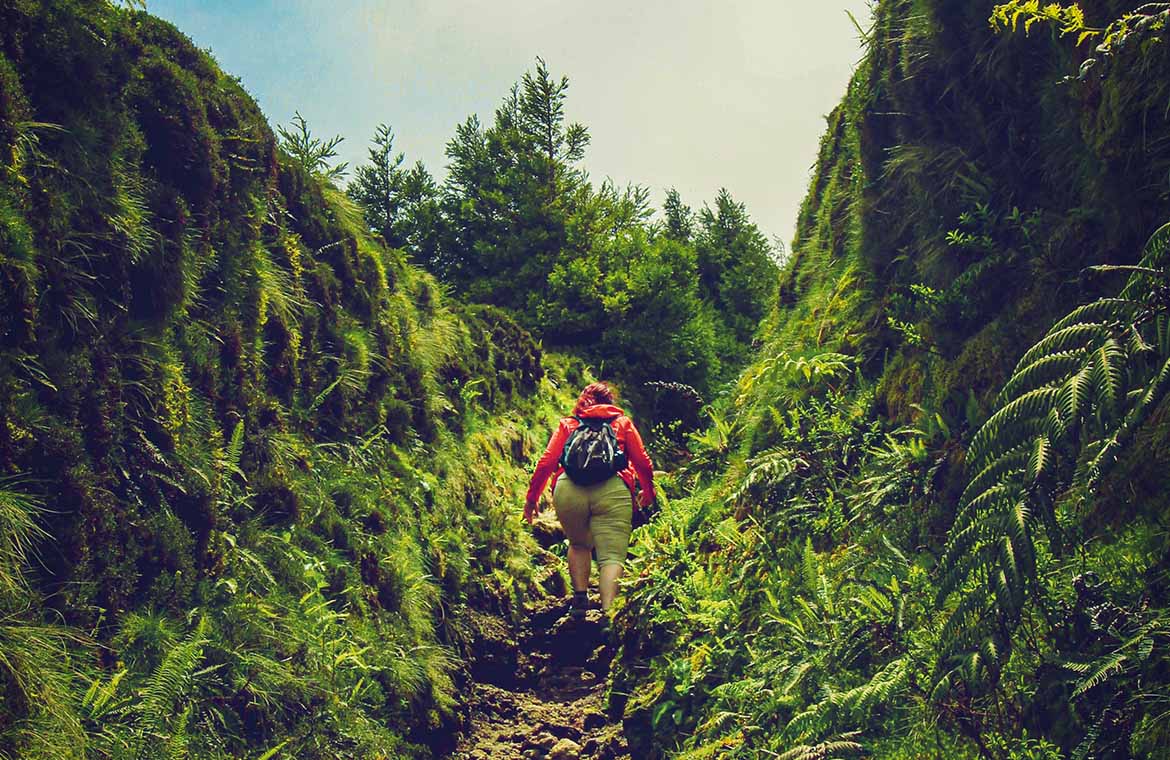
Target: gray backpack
592 453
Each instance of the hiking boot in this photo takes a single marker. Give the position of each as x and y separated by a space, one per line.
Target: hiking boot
605 628
578 605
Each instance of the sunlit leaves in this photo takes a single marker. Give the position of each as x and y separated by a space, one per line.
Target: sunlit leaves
1070 20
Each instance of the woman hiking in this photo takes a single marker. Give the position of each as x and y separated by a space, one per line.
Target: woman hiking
595 489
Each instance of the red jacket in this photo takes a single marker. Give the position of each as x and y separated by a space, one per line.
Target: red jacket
639 471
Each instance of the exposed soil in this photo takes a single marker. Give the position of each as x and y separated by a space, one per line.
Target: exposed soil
538 691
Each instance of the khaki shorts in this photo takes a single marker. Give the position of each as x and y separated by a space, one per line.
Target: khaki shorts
596 517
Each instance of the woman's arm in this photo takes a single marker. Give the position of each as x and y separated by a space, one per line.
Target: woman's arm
544 469
640 460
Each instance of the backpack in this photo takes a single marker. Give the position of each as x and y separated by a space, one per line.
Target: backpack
592 453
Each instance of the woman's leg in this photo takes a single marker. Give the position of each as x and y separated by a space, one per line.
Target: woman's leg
610 526
580 564
572 505
609 582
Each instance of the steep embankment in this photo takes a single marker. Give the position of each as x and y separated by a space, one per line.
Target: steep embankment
794 602
255 466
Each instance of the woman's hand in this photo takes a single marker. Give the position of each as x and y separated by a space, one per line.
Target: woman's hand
530 510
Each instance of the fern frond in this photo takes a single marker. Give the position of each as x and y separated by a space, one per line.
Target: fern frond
1076 398
1020 520
810 566
176 746
997 473
830 748
1073 397
1008 561
952 569
1040 460
170 684
991 652
1147 402
970 609
1102 670
879 690
1156 253
100 694
1075 336
1084 750
1029 407
1101 311
1107 375
1041 373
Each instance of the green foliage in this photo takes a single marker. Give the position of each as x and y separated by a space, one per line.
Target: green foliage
790 601
402 205
39 719
270 464
1143 25
1073 402
519 226
1070 19
260 461
20 530
312 153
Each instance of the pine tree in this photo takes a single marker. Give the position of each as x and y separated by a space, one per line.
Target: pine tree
379 187
510 191
680 219
542 119
312 153
736 268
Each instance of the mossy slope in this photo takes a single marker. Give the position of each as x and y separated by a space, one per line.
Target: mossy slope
786 606
274 461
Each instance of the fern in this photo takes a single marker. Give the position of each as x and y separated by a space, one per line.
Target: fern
235 450
1144 21
163 712
769 473
839 746
1101 671
1073 402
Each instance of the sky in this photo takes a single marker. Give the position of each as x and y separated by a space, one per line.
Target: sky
692 94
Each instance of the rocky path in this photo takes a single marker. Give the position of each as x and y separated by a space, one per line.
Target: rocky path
538 692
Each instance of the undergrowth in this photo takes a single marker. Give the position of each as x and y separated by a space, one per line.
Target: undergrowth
929 520
256 466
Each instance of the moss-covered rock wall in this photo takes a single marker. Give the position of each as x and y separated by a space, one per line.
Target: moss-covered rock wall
788 601
272 462
963 185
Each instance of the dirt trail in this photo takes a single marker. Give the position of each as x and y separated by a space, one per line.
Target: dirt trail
538 691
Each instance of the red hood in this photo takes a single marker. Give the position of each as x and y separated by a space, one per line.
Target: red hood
602 411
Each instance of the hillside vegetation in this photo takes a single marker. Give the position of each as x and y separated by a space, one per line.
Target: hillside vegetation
255 465
905 534
264 431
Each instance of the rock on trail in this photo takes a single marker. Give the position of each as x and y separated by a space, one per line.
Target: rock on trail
538 690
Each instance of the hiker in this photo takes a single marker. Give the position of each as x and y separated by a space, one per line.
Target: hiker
598 464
